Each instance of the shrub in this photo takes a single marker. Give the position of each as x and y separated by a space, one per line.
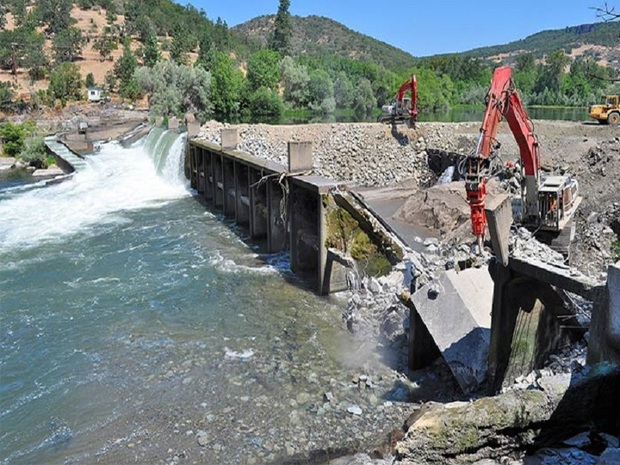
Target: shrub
34 152
265 102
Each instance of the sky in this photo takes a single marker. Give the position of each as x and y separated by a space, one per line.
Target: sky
425 27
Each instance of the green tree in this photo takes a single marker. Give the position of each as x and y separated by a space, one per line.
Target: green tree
282 29
65 83
206 53
124 70
67 44
343 90
295 78
3 12
13 136
525 73
176 89
34 151
552 73
90 80
56 14
264 70
151 51
6 95
364 101
105 45
227 82
321 92
265 102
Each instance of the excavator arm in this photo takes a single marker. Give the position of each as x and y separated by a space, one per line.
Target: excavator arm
503 101
400 110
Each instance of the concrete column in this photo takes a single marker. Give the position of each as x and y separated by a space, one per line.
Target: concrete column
258 205
499 218
604 345
276 233
218 181
200 160
228 186
173 123
208 164
229 138
242 196
299 156
322 288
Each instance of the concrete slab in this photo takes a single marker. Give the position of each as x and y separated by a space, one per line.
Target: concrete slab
456 310
499 219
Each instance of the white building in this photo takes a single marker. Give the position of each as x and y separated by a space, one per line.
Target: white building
94 94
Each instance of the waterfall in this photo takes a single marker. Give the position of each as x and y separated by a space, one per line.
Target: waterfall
167 150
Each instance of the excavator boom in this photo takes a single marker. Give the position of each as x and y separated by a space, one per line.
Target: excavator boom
548 205
402 110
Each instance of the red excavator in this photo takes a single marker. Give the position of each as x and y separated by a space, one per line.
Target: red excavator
546 204
402 110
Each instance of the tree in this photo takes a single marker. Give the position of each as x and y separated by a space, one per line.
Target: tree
3 12
124 70
67 44
295 78
364 101
321 92
65 83
151 51
13 136
105 45
264 70
175 89
56 14
90 80
265 102
282 29
227 82
206 52
6 95
343 90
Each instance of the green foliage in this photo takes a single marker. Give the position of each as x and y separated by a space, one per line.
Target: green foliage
124 70
615 250
206 53
343 90
3 11
151 51
265 102
175 89
65 83
546 42
105 45
67 44
56 14
295 79
13 136
321 92
282 29
364 100
6 95
227 82
264 70
22 47
90 80
34 151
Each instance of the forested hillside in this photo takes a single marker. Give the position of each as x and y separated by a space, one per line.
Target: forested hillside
180 60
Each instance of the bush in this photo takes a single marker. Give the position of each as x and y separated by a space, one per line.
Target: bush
13 136
265 102
34 152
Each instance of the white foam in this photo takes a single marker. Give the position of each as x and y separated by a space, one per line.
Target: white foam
115 181
243 355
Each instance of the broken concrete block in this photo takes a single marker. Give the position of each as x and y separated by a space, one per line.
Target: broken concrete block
456 310
499 219
299 156
229 138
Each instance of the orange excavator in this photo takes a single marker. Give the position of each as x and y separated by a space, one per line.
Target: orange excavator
546 204
402 109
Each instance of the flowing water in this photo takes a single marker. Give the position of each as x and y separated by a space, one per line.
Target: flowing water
136 326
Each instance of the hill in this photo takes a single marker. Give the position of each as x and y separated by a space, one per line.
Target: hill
320 36
600 41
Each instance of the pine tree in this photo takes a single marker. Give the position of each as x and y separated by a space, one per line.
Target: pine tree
282 31
151 51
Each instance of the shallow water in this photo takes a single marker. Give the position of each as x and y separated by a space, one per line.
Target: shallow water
137 327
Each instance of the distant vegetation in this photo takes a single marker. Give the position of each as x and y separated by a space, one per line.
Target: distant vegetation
184 61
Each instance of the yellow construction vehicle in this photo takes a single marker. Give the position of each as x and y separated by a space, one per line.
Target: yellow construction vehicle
608 112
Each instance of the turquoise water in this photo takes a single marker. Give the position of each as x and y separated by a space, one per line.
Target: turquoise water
131 319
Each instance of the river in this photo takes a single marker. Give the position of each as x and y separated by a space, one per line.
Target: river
136 326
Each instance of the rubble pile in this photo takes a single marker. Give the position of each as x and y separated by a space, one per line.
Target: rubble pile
365 154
